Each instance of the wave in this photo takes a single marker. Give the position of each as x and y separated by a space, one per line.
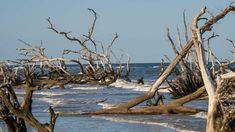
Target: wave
155 67
136 87
130 85
50 93
106 105
88 87
122 120
202 115
47 93
53 102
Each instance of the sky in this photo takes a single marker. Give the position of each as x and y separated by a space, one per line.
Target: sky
140 24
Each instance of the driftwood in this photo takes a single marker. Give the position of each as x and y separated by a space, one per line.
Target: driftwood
188 79
99 70
99 67
213 111
15 114
151 93
95 66
55 68
174 107
216 121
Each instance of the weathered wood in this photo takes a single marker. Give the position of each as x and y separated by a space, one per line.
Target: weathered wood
15 114
26 115
159 109
182 62
27 103
159 81
208 82
122 108
225 114
193 96
174 107
89 54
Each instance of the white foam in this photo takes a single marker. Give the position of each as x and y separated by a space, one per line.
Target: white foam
88 87
44 93
116 119
202 115
155 66
106 105
53 102
130 85
49 93
134 86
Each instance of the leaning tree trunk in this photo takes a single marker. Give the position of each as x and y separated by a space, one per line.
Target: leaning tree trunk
208 82
148 95
22 113
173 107
159 81
207 26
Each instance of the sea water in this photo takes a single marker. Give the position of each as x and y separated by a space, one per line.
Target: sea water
76 99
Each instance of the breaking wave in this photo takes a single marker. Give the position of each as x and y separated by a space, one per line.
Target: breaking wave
88 87
134 86
155 66
130 85
106 105
202 115
52 101
50 93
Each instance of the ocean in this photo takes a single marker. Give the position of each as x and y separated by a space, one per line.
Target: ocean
84 98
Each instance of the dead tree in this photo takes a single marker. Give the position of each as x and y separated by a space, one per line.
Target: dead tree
14 123
182 62
188 79
99 66
53 71
15 114
37 55
175 106
213 111
121 74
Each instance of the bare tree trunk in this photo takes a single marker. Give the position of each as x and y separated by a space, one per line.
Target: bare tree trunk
174 107
11 124
209 86
159 81
208 82
182 62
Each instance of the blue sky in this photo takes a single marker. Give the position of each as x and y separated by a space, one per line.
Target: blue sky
141 25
